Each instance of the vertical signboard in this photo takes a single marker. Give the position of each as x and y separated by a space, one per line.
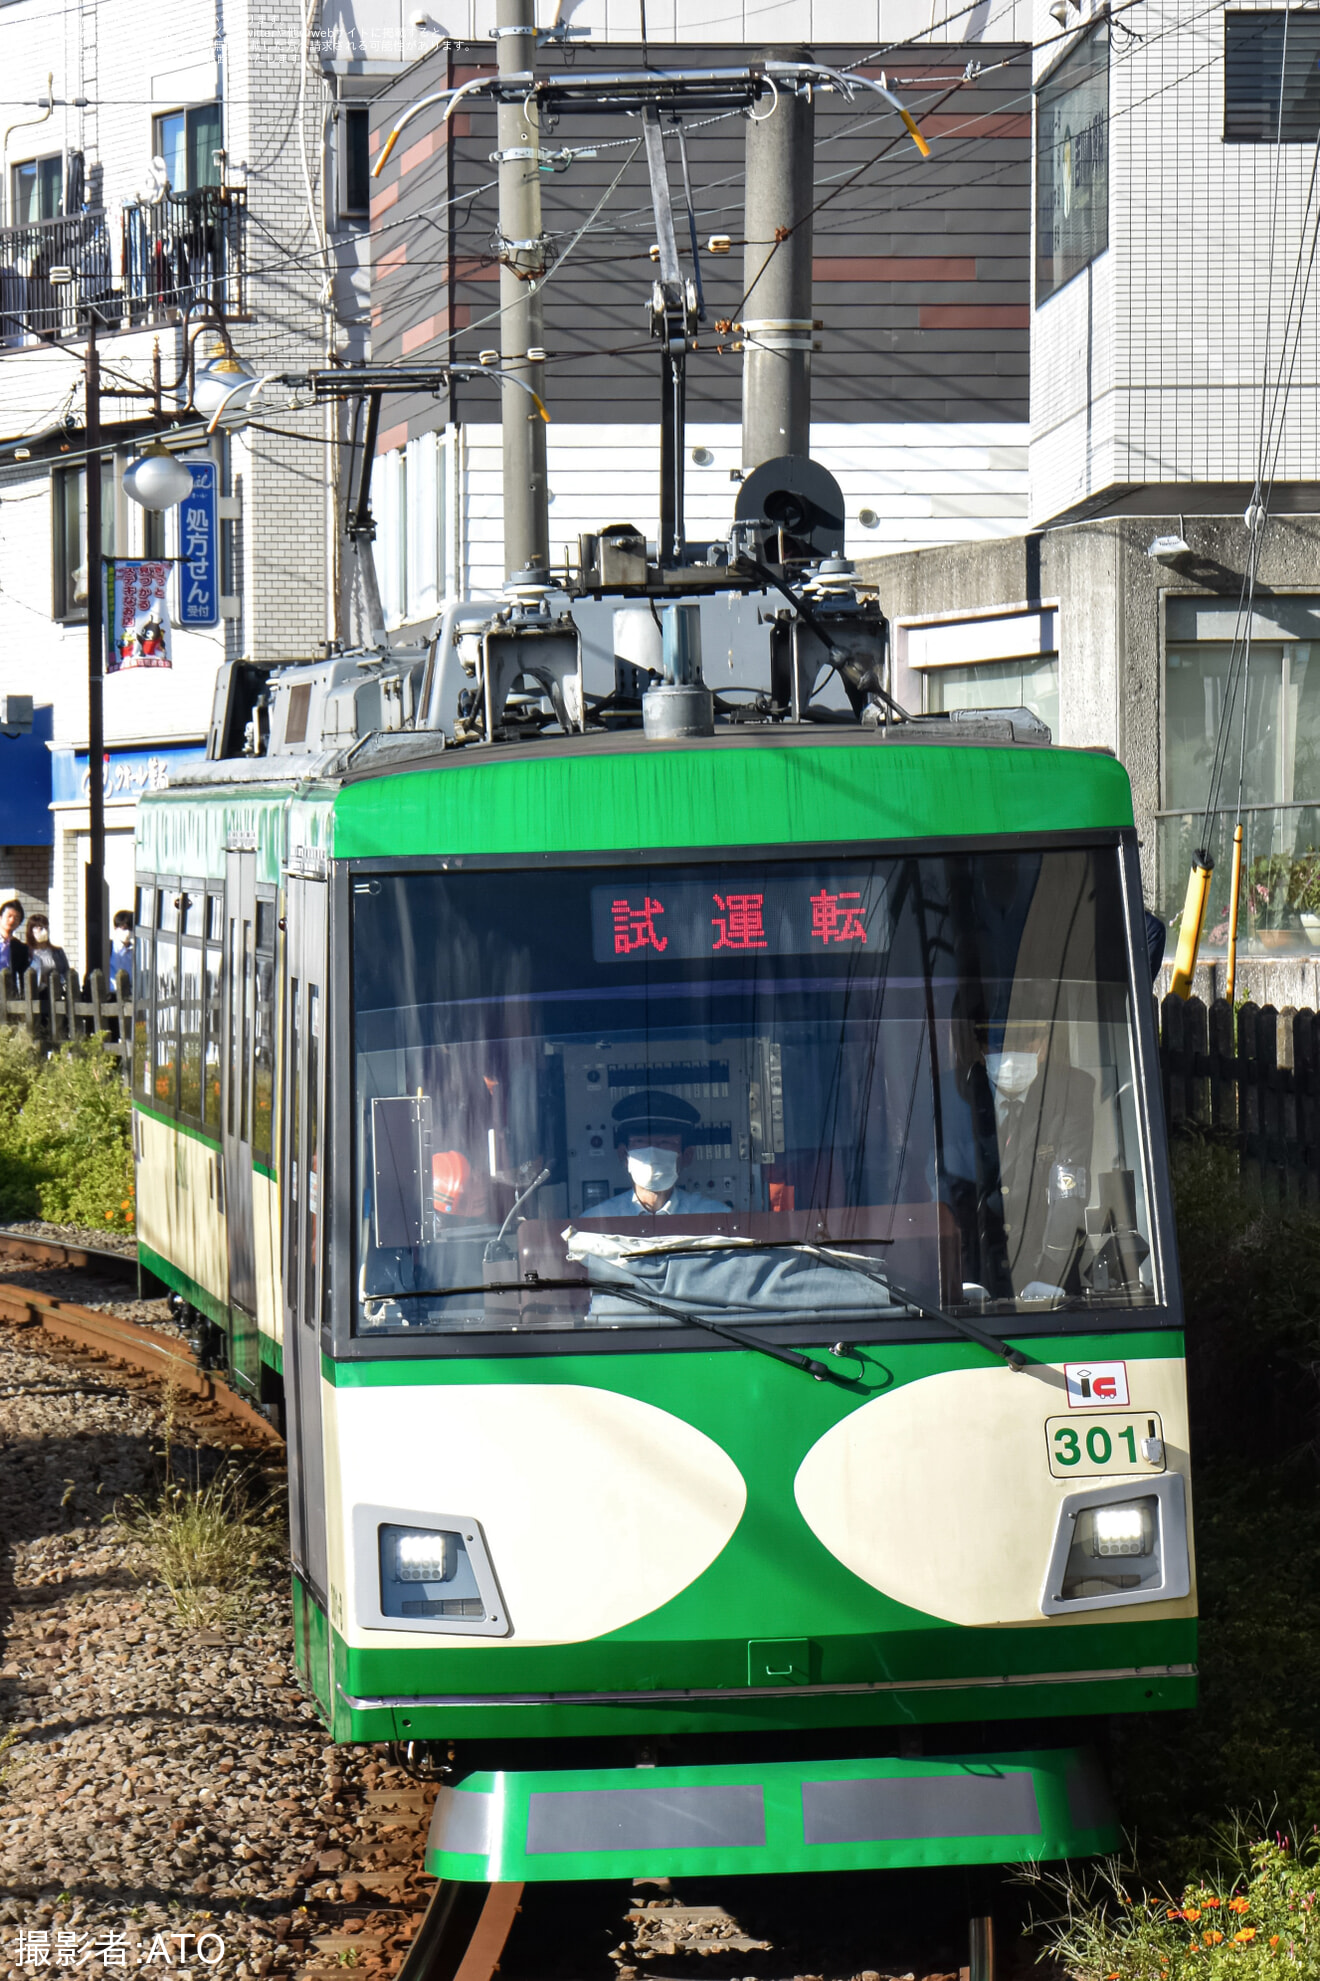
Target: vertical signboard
199 561
1072 163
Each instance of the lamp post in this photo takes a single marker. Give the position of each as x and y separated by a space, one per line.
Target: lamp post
158 482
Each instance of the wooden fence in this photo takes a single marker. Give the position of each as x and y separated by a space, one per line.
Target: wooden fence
61 1011
1252 1080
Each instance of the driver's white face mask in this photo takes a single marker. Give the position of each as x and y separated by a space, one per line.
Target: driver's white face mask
653 1169
1012 1073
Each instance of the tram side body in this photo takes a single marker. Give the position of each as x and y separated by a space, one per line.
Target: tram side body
705 1555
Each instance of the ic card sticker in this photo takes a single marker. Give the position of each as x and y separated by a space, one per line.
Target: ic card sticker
1096 1385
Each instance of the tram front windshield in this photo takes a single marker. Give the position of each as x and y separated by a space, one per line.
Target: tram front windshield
759 1091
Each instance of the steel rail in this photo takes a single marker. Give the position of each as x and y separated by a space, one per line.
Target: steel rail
159 1356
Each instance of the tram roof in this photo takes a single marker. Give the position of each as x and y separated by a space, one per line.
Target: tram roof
741 788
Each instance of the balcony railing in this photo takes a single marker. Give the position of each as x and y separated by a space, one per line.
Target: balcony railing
1279 906
136 267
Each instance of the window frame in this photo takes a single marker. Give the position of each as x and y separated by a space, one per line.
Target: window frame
68 499
1283 125
354 117
189 113
34 165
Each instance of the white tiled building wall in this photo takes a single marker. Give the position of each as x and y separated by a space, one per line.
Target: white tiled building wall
1148 366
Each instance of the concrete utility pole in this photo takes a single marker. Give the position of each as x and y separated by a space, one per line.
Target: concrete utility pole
776 307
526 511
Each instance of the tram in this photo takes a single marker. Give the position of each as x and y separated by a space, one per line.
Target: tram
695 1192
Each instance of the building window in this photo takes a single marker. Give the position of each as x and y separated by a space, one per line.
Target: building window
1031 684
1272 77
1072 163
37 190
1204 681
355 126
188 141
69 502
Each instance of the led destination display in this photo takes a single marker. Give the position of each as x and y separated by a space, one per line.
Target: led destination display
811 914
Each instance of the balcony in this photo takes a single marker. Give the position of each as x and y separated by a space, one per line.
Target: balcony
138 266
1279 907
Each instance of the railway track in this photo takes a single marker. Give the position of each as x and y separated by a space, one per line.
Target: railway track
110 1337
356 1899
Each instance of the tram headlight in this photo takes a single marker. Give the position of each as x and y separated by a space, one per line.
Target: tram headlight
1113 1546
420 1556
1125 1529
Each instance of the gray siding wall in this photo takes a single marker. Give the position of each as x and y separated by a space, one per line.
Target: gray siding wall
922 266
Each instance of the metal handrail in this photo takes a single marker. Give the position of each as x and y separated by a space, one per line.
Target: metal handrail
144 265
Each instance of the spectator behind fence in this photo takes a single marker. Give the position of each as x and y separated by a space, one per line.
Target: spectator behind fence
43 957
121 947
13 950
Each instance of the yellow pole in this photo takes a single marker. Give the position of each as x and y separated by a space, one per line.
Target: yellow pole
1193 915
1230 976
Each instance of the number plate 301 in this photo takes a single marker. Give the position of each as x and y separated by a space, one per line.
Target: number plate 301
1127 1441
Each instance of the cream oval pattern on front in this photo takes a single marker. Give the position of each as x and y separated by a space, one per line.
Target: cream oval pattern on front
939 1493
596 1508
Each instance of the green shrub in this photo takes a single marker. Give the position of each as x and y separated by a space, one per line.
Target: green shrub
1260 1918
66 1140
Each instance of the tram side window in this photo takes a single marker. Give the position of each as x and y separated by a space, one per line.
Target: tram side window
190 1029
213 1010
310 1313
293 1152
191 913
263 1072
165 1076
143 984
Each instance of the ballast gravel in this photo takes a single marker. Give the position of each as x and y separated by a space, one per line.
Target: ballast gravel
158 1785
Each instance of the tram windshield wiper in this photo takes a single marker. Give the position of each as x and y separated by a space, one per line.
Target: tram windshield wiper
615 1289
851 1263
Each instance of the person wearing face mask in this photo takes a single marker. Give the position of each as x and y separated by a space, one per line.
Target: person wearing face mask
1018 1160
654 1134
44 957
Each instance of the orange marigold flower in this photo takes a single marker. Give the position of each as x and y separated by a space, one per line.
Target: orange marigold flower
1239 1904
1212 1904
1175 1912
1212 1939
1245 1937
1274 1939
1192 1912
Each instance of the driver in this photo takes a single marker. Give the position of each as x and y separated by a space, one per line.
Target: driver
654 1134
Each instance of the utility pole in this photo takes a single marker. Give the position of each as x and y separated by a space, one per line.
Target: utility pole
522 264
94 902
776 306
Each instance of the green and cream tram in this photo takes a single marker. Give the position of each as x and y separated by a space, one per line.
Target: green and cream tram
701 1207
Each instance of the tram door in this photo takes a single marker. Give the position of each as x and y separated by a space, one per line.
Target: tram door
303 1184
237 1108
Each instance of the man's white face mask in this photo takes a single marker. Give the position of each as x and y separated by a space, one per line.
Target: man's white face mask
653 1169
1012 1073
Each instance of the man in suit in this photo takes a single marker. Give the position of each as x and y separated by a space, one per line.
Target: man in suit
13 951
1018 1162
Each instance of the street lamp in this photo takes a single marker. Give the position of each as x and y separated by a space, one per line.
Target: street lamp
156 480
222 385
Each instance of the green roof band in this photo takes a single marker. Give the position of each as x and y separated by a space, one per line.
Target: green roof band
763 794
